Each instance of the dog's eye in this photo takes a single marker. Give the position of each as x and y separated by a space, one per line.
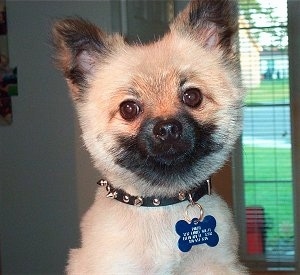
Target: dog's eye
192 97
129 109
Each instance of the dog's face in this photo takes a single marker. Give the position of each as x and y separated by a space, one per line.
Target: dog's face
162 115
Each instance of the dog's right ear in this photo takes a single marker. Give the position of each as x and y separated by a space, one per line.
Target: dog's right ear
212 23
79 46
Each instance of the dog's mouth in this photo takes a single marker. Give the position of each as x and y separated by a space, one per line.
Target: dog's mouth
145 153
168 151
168 158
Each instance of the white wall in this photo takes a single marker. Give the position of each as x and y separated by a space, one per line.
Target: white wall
46 178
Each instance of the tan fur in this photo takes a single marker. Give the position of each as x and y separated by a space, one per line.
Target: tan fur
102 71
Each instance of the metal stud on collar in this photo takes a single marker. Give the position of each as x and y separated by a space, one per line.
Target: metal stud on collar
102 182
112 194
181 195
126 199
156 202
138 201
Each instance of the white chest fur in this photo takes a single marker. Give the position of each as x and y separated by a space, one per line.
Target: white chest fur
122 239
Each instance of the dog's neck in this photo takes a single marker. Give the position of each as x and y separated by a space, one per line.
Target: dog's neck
192 195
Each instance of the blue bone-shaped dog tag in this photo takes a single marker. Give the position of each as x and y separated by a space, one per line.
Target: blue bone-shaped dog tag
196 232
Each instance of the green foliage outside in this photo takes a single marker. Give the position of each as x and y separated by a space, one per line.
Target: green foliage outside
270 91
267 164
268 173
263 189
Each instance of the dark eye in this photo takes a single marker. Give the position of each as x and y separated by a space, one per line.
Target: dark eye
129 109
192 97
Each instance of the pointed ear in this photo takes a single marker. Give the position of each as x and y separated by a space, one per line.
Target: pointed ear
214 23
80 46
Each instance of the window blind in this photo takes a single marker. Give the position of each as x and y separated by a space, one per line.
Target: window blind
269 237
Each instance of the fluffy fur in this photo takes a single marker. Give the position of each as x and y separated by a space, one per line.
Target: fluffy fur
199 53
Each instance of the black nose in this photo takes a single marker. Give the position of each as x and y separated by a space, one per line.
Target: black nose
168 130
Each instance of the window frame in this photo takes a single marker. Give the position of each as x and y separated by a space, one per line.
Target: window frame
256 263
294 65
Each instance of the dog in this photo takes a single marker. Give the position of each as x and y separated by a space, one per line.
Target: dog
158 120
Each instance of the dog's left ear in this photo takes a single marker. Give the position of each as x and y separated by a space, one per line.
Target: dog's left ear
213 23
80 46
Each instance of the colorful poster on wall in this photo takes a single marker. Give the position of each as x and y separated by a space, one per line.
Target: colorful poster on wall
8 75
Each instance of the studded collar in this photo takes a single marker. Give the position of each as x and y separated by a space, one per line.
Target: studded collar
192 195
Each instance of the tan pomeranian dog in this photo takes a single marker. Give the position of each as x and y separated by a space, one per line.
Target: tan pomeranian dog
158 120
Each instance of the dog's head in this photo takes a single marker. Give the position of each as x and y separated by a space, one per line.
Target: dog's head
165 114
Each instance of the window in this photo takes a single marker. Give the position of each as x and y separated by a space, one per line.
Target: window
267 190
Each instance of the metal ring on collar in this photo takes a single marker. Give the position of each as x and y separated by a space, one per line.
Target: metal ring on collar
187 216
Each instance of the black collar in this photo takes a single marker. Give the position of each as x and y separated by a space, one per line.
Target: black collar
193 195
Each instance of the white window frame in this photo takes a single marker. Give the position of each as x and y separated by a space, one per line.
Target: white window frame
257 263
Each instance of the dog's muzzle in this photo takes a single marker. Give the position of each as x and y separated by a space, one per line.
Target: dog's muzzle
167 142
